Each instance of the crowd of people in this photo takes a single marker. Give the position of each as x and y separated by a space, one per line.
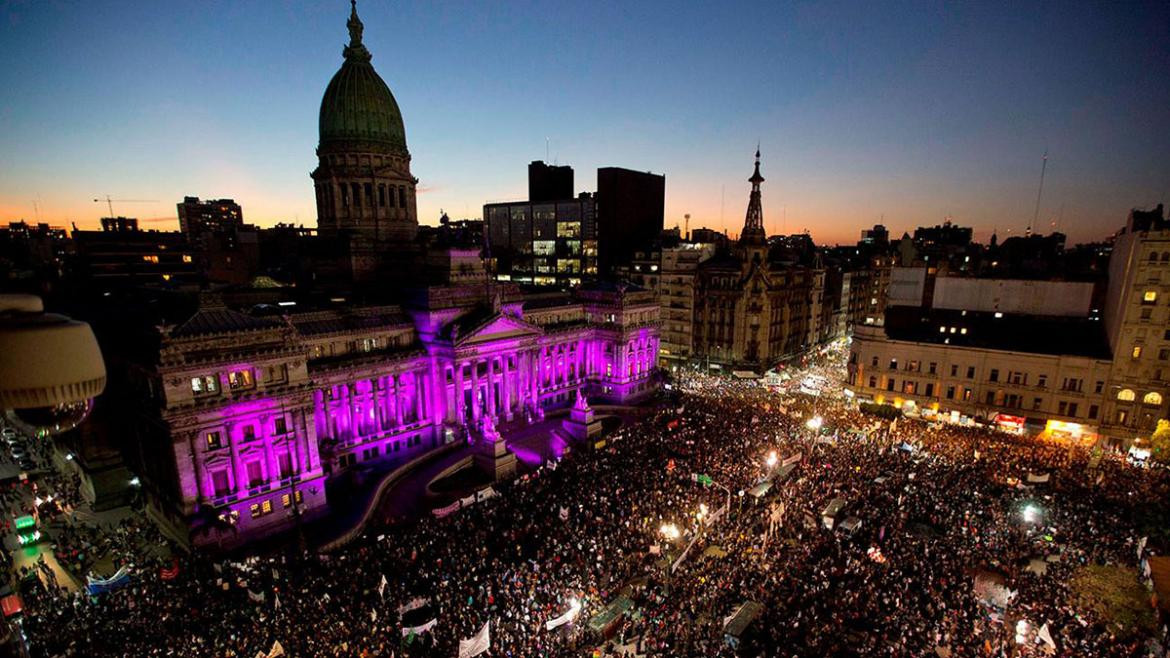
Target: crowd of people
938 505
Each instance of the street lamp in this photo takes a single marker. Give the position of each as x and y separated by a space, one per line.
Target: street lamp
814 423
772 459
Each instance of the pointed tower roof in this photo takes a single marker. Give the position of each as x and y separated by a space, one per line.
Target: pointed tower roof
753 224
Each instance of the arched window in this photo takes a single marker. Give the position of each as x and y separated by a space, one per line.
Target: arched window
1125 395
1152 397
1166 256
1153 256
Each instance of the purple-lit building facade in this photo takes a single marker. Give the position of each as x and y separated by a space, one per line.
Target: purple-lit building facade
261 411
244 418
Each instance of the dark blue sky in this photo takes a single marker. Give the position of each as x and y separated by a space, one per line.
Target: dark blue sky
911 111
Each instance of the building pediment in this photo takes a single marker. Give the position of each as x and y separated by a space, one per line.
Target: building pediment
496 327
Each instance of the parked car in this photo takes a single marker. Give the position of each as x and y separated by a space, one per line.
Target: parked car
19 452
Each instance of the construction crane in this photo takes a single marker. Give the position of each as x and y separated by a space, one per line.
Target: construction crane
110 202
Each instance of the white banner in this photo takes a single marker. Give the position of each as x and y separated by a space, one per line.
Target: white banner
382 586
484 494
413 604
277 650
419 630
476 644
574 610
470 500
792 459
1037 478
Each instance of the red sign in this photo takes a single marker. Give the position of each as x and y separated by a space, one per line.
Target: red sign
11 605
1015 422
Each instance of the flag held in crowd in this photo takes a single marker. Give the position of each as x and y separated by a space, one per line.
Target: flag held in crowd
121 578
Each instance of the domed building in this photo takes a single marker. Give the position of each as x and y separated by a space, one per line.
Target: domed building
365 191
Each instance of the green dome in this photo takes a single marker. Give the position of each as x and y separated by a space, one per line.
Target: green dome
358 106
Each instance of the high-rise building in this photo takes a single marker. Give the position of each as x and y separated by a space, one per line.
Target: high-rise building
551 244
630 214
214 215
363 182
549 182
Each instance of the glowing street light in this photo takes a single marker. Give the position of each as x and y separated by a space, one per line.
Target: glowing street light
669 531
772 458
814 423
1031 513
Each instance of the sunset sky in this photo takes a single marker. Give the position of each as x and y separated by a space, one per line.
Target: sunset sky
911 112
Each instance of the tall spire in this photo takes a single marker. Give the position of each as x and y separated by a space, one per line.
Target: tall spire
355 50
753 224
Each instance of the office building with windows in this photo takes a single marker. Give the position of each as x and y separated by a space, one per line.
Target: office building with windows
548 244
1033 356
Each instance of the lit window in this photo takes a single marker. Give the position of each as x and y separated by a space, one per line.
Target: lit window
266 507
204 385
186 258
942 330
239 379
255 510
1137 352
1152 398
1125 395
998 314
963 331
214 441
151 258
1150 296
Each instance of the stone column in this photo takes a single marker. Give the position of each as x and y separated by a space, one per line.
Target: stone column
419 394
491 387
398 400
459 411
350 409
239 474
505 386
383 403
273 470
475 406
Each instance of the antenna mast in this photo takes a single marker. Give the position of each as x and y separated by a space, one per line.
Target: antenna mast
1039 192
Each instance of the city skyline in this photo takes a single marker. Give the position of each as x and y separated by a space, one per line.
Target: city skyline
905 119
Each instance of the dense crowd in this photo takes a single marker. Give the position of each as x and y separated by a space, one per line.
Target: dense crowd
938 510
